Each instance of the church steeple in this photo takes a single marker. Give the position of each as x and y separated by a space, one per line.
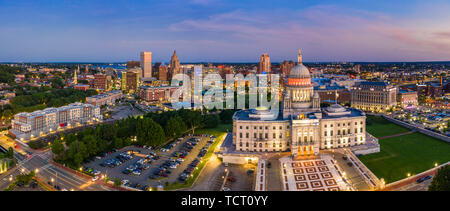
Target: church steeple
75 79
299 57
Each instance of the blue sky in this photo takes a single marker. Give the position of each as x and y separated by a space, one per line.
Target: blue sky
224 30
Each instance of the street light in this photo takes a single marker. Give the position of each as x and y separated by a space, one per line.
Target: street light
37 170
435 164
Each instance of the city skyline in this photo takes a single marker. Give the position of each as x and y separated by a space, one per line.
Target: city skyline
224 31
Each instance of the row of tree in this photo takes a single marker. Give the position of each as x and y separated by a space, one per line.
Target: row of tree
152 129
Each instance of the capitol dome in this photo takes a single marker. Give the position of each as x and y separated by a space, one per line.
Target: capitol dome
299 75
300 71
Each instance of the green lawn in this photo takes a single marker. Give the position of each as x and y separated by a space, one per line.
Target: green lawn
380 127
413 153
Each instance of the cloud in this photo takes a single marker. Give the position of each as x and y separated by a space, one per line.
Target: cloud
325 30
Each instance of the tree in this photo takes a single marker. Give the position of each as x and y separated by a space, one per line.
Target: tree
211 121
57 147
118 143
441 182
174 127
91 145
10 153
226 116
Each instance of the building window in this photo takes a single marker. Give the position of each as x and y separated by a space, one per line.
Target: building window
339 132
240 135
260 145
325 134
246 135
274 135
246 144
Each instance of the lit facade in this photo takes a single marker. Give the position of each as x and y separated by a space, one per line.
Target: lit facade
302 127
38 123
108 98
146 64
374 96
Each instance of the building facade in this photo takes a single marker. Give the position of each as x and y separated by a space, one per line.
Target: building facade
108 98
102 82
174 67
156 94
264 64
146 64
374 96
130 81
26 126
302 127
407 99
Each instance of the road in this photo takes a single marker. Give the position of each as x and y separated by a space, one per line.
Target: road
39 161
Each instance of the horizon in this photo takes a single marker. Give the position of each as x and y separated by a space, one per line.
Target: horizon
224 31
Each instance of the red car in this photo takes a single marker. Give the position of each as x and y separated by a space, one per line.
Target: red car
231 179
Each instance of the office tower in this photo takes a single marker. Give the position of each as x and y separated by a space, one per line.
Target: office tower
146 64
175 67
102 82
130 81
264 64
286 67
133 64
163 73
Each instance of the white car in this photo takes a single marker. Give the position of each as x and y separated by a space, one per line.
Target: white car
226 189
95 178
125 181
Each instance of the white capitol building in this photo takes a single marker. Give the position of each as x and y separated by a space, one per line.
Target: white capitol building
302 128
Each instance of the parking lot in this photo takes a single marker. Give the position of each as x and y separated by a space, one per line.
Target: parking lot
143 168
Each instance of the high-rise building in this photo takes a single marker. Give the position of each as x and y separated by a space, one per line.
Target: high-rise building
146 64
133 64
130 81
286 67
264 64
163 73
155 69
175 67
102 82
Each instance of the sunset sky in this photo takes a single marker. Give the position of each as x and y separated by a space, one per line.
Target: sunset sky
224 30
